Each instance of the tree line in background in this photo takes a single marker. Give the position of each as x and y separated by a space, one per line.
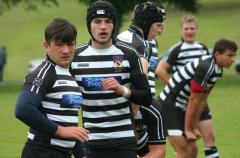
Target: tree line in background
123 7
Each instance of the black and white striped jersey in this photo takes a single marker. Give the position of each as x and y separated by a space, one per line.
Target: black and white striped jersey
152 65
181 53
61 101
134 38
204 71
107 115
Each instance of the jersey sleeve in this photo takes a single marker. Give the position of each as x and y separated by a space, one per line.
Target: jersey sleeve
40 81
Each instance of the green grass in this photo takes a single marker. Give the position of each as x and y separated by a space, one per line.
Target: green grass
223 101
22 33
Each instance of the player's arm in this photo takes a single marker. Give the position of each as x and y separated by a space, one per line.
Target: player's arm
162 71
195 106
27 111
144 63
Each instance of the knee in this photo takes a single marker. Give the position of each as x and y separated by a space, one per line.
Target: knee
194 150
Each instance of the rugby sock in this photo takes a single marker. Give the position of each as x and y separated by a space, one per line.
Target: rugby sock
211 152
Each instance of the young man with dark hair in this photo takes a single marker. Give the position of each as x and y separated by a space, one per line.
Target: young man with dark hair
184 51
50 98
105 70
185 96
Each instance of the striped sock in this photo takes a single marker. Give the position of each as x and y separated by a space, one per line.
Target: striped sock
211 152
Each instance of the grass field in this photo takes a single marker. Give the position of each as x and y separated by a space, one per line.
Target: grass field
22 33
224 104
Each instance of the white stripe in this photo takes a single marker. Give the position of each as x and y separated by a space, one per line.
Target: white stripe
49 105
213 155
184 74
175 132
60 94
122 134
190 69
60 83
62 71
181 100
182 106
171 83
61 118
43 76
101 102
177 78
162 96
30 136
151 82
101 114
63 143
108 124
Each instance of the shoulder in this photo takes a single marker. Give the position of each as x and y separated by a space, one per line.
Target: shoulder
175 47
126 49
81 48
205 63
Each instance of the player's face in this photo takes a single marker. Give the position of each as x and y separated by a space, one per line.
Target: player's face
101 29
226 59
189 31
61 53
155 30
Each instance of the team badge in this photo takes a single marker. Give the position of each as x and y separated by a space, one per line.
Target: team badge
117 62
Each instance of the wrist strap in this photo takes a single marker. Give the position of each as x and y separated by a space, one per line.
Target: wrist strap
125 92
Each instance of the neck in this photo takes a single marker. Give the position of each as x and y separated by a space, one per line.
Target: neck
98 45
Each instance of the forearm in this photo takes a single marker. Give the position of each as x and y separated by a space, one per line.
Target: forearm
162 71
195 107
144 63
27 111
140 93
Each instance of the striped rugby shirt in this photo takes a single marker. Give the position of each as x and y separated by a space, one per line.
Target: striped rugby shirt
107 115
134 38
203 71
152 65
61 101
181 53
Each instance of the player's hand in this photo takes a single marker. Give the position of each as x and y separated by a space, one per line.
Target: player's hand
197 133
112 84
77 133
190 136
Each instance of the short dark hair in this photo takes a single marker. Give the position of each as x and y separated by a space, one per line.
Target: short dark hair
223 44
60 30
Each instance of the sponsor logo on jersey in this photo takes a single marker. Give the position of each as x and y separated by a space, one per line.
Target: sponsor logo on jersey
153 62
71 101
62 82
37 82
83 65
95 83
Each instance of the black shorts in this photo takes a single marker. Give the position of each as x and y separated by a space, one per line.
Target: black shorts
127 151
206 114
152 118
173 120
33 151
